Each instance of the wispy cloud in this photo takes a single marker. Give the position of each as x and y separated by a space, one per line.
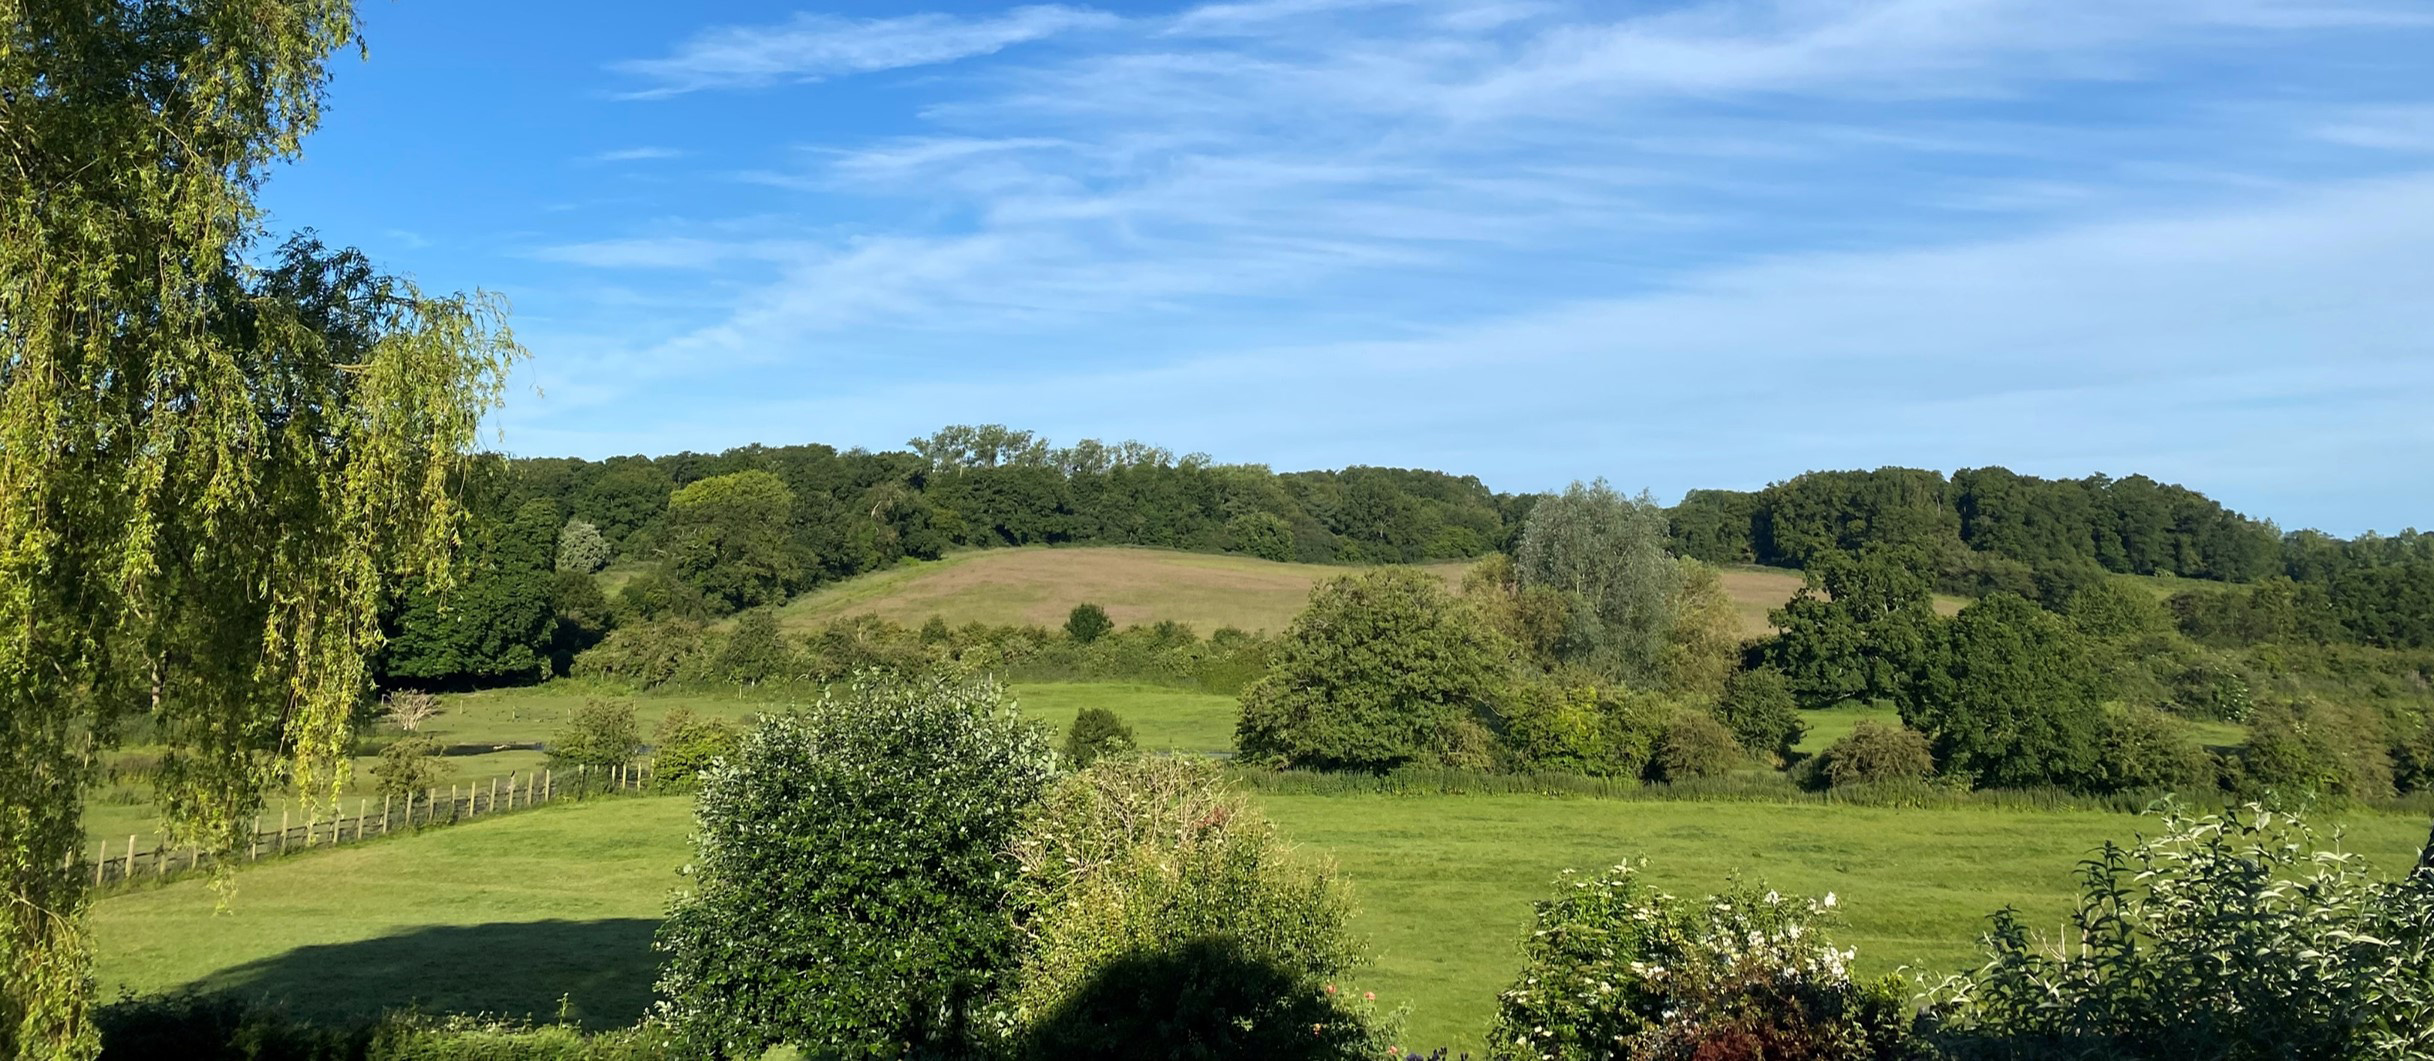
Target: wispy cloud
634 154
813 47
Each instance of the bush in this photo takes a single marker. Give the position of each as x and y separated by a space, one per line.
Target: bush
2237 936
1875 753
755 652
1759 709
222 1028
2310 747
2143 749
1165 917
648 655
409 767
684 748
1377 671
1265 535
849 879
1617 969
1695 745
1096 732
1087 623
655 594
2211 691
598 737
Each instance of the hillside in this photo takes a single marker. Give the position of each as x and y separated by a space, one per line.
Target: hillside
1039 586
1204 591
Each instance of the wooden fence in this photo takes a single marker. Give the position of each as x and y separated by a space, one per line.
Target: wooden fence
111 865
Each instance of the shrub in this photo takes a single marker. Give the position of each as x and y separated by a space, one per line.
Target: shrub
849 880
408 768
598 737
2237 936
1875 753
2211 691
1164 917
1374 673
409 709
755 652
582 549
1087 623
2310 747
1265 535
647 655
684 748
1759 709
1617 969
656 594
1096 732
2144 749
1695 745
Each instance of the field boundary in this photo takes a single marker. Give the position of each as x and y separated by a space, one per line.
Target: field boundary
133 864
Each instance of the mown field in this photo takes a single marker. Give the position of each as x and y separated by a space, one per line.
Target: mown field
513 914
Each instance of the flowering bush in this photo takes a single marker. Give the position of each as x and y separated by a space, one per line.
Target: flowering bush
1617 969
2227 936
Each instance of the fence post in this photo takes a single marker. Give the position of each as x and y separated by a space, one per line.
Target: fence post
384 814
549 785
282 830
430 803
160 859
494 795
100 861
130 872
363 805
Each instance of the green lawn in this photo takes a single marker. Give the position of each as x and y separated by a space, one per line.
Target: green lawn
1165 720
508 915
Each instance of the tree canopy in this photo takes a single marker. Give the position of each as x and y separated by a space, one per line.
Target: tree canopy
208 469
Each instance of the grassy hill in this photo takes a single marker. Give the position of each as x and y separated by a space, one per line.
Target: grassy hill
1039 586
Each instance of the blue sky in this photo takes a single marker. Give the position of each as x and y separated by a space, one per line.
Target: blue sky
1676 244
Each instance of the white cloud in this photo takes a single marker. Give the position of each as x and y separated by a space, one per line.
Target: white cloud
634 154
813 47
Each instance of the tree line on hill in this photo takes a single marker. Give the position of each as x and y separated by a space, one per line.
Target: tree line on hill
706 535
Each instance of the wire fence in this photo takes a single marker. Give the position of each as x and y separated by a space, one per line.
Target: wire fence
374 817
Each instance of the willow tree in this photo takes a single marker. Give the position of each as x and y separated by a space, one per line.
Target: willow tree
207 469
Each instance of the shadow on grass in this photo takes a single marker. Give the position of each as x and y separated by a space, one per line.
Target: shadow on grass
1203 1000
602 969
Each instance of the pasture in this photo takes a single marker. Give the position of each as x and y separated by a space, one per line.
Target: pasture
511 915
1038 586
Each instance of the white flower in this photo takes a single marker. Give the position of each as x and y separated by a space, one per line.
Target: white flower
1829 900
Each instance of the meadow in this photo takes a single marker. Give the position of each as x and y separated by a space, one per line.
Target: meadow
549 911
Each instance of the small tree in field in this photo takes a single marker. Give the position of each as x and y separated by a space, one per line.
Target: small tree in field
410 709
684 748
1087 623
408 768
1759 708
849 875
582 549
1694 745
1097 732
1875 753
598 737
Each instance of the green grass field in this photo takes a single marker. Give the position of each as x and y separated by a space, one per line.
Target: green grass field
509 915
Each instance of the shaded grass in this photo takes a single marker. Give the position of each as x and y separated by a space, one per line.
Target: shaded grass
566 894
1165 720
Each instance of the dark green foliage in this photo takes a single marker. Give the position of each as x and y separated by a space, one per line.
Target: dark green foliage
1808 517
1198 1000
1381 669
599 736
1862 628
684 747
2140 749
1877 754
1552 727
2208 690
1759 709
1694 745
2274 610
727 537
1717 526
1096 732
199 1027
583 617
1265 535
2303 748
849 880
754 652
2011 699
496 625
1087 623
657 595
648 655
